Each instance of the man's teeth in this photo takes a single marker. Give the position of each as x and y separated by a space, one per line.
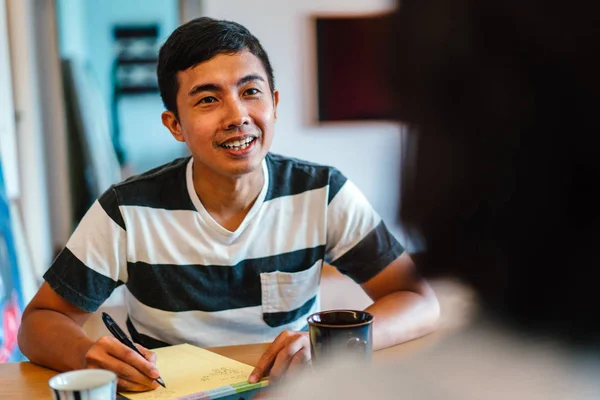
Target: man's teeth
239 144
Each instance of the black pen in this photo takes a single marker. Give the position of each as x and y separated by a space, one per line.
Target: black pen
117 332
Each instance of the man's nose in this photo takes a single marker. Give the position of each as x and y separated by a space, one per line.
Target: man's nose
236 115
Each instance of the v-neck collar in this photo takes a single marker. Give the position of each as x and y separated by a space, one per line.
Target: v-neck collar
226 234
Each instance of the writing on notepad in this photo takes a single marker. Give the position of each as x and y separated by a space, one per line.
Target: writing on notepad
224 373
189 370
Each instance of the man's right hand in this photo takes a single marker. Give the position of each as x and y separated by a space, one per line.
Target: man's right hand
135 373
51 334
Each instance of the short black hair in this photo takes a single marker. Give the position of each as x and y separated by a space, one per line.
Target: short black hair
200 40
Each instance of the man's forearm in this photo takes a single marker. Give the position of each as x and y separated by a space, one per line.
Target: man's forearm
53 340
403 316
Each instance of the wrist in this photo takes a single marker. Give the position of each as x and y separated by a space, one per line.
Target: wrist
82 346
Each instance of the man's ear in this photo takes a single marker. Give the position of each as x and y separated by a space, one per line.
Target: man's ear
169 119
275 103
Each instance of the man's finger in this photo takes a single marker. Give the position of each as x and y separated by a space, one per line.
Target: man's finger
284 358
123 370
264 364
148 354
300 361
266 360
143 370
125 385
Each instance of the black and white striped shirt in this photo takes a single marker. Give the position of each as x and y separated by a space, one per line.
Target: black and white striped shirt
189 280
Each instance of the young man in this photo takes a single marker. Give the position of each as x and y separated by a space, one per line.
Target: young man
223 247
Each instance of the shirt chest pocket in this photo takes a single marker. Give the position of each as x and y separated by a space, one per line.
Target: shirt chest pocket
287 296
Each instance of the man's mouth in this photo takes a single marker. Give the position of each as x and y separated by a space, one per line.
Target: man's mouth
239 144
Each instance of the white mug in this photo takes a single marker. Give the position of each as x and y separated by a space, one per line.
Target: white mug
84 384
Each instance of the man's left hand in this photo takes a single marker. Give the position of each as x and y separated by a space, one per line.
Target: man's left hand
289 351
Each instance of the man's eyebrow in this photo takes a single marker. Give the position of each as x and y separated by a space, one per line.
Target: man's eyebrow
250 78
215 88
204 88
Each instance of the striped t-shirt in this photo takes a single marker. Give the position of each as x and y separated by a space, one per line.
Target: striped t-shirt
189 280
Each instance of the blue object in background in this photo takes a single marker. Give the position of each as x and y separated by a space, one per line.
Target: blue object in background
11 299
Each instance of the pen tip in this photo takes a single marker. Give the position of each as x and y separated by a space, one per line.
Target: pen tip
161 382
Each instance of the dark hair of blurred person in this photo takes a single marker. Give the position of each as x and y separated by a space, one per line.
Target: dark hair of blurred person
502 163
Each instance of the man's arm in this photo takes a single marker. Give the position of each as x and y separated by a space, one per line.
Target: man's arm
405 308
51 335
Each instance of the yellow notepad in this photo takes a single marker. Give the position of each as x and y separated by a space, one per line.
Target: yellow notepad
194 373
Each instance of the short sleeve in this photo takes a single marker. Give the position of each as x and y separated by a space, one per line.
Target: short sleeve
358 242
94 261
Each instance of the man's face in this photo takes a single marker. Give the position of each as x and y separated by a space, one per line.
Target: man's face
226 113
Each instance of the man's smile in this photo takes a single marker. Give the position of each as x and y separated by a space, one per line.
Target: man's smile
238 143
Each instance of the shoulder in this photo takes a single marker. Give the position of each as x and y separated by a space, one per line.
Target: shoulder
289 176
161 187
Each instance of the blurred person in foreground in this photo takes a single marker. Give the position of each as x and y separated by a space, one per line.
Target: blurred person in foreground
499 185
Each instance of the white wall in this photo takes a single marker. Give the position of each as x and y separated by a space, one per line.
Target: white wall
368 153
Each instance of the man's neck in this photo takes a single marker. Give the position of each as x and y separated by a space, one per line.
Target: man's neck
227 199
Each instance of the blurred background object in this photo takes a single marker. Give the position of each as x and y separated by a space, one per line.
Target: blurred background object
351 65
11 298
94 165
116 44
133 71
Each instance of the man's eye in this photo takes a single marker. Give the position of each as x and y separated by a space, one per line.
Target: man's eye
252 92
207 100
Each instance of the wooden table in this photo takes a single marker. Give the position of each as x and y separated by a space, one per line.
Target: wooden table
28 381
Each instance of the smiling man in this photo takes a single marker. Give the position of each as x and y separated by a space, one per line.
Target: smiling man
226 246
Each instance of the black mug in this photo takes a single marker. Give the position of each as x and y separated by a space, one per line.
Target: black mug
340 333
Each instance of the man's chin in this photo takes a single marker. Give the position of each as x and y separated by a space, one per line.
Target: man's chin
248 167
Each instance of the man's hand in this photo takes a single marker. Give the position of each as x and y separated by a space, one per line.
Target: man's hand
136 373
289 351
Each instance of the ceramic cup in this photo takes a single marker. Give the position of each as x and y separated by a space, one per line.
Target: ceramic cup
85 384
340 333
